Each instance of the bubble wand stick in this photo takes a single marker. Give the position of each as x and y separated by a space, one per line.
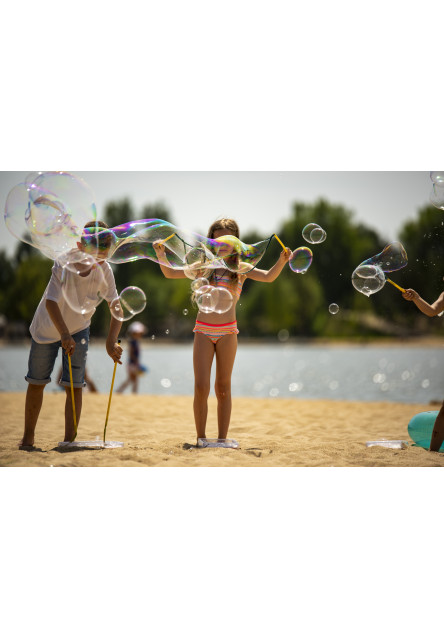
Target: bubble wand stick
395 285
169 238
280 242
110 396
72 399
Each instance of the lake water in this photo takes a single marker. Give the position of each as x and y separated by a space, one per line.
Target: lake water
362 373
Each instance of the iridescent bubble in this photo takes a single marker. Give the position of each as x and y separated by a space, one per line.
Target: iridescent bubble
301 259
49 211
333 308
83 292
368 279
391 258
131 301
313 233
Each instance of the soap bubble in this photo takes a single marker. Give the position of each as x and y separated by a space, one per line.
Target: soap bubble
77 261
198 283
83 293
313 233
333 308
437 195
301 259
368 279
392 258
49 211
223 299
205 301
131 301
185 312
437 177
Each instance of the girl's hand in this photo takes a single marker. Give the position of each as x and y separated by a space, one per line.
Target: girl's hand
410 294
159 248
285 255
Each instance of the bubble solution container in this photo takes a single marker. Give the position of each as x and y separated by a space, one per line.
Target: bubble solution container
388 444
217 443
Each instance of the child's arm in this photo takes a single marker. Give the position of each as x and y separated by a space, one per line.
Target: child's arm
113 349
68 342
270 276
167 271
428 309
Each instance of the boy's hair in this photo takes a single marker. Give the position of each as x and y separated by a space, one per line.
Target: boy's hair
95 234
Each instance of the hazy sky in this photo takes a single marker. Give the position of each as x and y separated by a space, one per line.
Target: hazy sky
257 200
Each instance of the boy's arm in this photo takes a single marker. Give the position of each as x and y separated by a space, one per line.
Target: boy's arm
428 309
113 349
270 276
68 343
167 271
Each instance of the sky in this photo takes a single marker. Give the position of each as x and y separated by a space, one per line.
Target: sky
260 201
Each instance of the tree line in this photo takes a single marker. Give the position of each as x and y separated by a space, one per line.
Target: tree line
295 305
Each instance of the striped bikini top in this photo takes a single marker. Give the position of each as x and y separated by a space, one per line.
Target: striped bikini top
227 282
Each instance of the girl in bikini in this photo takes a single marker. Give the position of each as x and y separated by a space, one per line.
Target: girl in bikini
216 334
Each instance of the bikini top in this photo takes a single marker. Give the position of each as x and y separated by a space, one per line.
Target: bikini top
227 282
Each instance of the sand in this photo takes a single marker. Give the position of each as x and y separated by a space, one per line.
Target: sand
157 431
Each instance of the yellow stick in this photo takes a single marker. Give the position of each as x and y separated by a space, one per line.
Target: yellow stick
109 401
169 238
395 285
280 242
72 399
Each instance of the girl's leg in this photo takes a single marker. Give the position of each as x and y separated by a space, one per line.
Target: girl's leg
226 349
203 355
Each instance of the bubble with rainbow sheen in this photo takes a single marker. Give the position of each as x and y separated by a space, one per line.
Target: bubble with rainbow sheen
368 279
313 233
301 259
49 211
392 258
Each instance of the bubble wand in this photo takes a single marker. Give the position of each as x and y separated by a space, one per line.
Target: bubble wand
110 396
72 399
169 238
395 285
280 242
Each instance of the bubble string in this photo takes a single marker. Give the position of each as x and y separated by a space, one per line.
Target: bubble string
395 285
110 396
72 399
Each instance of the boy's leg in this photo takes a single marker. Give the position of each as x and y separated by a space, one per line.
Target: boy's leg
33 404
70 430
78 366
40 365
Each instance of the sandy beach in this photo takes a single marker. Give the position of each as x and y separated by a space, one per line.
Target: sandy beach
158 431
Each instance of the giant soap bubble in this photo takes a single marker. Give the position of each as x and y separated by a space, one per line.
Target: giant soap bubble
391 258
49 211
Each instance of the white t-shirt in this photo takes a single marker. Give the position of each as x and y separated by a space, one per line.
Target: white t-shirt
77 298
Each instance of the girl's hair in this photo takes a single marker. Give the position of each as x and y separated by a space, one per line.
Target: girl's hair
232 228
226 224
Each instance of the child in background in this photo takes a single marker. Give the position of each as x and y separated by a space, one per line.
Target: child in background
430 310
136 331
215 335
56 324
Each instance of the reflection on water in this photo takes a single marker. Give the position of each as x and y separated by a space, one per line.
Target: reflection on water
392 374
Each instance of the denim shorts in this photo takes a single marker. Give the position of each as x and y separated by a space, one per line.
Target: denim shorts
42 358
